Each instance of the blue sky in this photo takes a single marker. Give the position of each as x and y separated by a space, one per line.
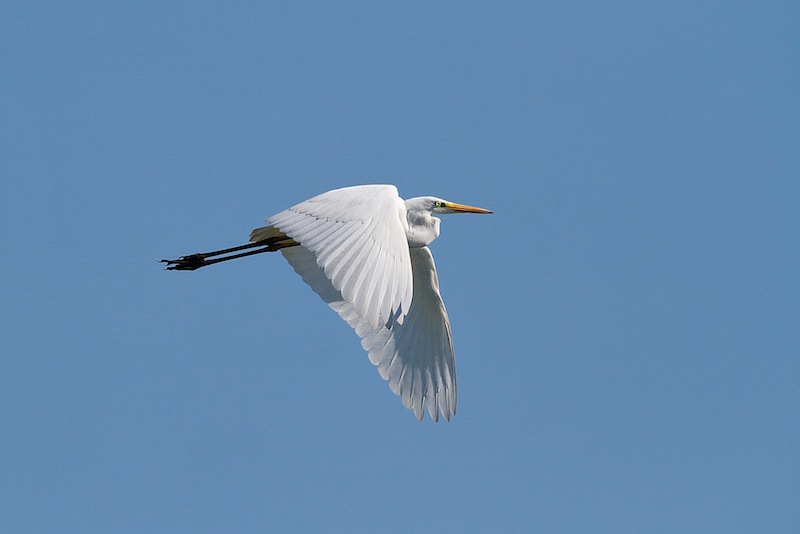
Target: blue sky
626 324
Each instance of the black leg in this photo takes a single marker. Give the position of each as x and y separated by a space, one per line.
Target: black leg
203 259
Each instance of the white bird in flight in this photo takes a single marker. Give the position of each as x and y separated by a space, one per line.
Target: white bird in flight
364 251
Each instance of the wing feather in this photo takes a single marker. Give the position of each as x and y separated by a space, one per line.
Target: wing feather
351 230
415 357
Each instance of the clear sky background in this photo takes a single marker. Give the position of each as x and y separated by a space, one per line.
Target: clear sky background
627 325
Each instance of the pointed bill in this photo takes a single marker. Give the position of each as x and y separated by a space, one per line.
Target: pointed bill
462 208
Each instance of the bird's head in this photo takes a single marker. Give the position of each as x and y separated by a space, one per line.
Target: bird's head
438 206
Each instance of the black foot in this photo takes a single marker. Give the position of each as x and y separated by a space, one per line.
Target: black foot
187 263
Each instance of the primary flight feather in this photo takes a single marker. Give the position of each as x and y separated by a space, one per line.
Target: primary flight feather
364 251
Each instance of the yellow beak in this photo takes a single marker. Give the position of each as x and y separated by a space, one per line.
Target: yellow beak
461 208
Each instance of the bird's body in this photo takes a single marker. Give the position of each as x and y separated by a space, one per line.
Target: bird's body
364 251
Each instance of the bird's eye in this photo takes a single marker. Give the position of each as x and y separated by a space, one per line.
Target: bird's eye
439 204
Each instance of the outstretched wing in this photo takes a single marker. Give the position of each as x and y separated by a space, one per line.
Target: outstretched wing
415 357
357 235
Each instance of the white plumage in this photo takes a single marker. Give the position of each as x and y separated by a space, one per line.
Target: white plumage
364 251
358 237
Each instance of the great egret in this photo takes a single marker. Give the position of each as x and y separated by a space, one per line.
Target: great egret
364 250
